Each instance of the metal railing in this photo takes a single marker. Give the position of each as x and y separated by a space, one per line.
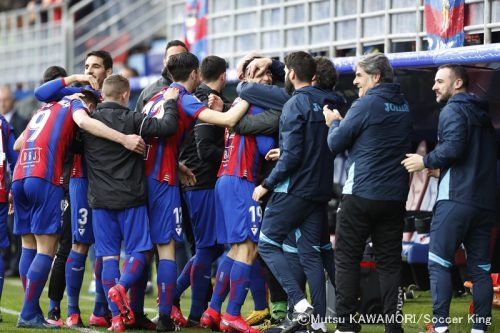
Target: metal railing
32 39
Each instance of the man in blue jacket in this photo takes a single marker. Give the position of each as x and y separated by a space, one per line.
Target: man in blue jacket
301 183
376 132
465 207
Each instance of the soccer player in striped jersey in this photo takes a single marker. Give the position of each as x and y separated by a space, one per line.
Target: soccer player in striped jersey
98 66
37 188
238 220
7 155
161 169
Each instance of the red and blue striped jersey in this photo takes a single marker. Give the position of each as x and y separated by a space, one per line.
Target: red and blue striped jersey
47 138
7 154
79 169
243 154
163 152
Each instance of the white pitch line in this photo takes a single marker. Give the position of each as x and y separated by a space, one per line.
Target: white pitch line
9 311
16 313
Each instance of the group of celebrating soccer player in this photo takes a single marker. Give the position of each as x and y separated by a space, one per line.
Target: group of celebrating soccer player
127 174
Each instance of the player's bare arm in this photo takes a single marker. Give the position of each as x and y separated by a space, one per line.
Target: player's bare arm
19 142
225 119
82 78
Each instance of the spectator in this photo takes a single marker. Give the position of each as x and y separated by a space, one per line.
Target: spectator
129 72
9 112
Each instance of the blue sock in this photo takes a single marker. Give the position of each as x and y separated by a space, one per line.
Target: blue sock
100 302
167 271
200 280
184 279
75 268
27 256
258 286
133 269
2 274
110 277
240 280
138 291
221 287
54 304
36 277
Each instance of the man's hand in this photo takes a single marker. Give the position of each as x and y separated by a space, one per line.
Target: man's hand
186 176
433 173
83 78
11 204
258 67
239 67
259 193
171 93
215 102
75 96
273 154
331 115
134 143
413 162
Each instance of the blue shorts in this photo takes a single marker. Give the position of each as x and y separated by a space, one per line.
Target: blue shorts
238 216
201 207
81 213
165 212
4 235
38 206
113 226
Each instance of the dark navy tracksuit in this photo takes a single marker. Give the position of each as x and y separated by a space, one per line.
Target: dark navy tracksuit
302 184
376 132
465 208
274 97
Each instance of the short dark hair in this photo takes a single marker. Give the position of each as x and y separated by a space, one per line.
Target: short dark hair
212 67
303 64
459 72
53 72
115 85
378 64
181 65
107 61
326 74
175 42
90 97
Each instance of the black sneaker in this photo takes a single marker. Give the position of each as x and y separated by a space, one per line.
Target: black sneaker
54 317
142 322
193 322
166 324
299 319
286 325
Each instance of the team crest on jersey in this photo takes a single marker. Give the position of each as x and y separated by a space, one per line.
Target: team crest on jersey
154 108
30 156
254 230
178 229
